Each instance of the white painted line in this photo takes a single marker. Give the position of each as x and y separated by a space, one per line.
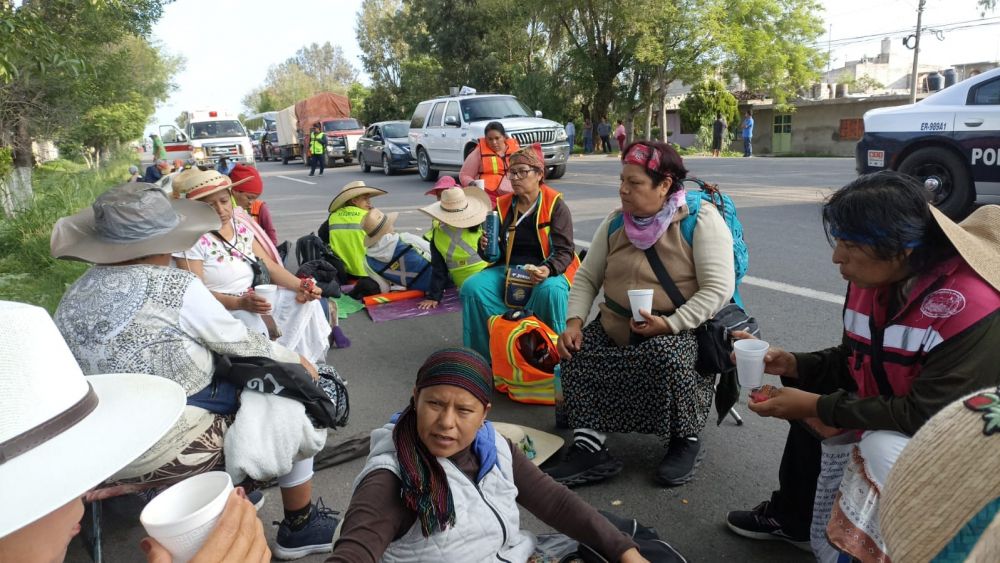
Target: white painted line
772 285
297 180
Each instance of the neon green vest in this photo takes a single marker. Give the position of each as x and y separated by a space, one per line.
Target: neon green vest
315 146
458 246
347 238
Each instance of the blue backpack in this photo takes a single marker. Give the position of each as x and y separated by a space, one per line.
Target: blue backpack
712 194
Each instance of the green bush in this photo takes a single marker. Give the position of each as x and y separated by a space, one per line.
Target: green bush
28 272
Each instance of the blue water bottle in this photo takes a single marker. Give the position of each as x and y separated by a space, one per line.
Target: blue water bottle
492 231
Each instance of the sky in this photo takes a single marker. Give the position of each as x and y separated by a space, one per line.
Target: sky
228 45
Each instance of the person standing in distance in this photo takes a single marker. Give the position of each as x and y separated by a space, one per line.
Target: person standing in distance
747 134
317 149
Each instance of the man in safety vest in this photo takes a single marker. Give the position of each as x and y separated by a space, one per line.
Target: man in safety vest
317 149
458 218
395 259
346 235
489 162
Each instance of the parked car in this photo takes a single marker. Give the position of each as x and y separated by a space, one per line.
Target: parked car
385 145
443 131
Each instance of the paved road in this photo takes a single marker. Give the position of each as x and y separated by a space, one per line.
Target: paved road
793 290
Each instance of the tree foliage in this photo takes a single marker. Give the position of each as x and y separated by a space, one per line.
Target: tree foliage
705 99
314 68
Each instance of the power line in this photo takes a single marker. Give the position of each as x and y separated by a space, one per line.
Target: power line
954 26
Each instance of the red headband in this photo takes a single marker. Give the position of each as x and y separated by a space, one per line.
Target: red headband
643 155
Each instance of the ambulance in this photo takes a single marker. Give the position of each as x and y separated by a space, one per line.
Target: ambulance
950 141
209 136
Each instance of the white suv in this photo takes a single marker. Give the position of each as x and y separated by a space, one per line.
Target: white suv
443 131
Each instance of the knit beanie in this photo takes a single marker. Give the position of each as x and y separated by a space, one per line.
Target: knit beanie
253 183
942 499
461 367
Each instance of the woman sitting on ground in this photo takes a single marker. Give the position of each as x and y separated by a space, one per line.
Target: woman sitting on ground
489 162
133 313
622 376
223 259
440 477
536 232
247 188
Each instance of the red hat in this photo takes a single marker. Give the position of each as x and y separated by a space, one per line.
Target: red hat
441 185
252 183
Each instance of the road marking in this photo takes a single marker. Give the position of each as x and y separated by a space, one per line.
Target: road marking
297 180
770 284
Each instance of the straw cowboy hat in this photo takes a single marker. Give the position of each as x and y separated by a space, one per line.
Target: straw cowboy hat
62 433
377 224
131 221
351 191
195 183
977 239
941 499
537 445
460 207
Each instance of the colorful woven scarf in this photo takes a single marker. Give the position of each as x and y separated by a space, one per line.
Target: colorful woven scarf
424 483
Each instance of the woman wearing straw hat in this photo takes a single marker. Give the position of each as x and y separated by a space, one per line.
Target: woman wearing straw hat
133 313
457 227
442 484
343 227
395 259
536 236
58 415
224 257
921 323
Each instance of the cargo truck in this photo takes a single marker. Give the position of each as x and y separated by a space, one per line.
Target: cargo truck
333 113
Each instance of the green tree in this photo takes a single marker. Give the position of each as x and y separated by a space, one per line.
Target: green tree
314 68
705 99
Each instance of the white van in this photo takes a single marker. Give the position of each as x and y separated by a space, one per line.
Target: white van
209 136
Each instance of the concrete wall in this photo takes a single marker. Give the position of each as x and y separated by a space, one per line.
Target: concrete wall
816 125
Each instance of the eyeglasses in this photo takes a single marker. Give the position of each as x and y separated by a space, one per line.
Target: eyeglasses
518 173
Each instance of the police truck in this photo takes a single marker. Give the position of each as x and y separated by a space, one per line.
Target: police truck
950 141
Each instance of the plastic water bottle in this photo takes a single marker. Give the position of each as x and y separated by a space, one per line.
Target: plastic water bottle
492 231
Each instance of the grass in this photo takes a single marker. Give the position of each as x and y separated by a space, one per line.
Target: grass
28 272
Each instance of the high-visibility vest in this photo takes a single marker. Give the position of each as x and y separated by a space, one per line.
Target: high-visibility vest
458 246
543 223
255 206
493 167
512 373
408 267
347 238
316 143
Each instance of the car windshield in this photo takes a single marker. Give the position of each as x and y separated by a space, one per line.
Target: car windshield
341 125
395 130
214 129
499 107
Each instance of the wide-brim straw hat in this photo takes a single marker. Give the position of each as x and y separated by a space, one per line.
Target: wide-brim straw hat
940 501
195 183
377 224
63 433
131 221
538 446
977 239
460 207
351 191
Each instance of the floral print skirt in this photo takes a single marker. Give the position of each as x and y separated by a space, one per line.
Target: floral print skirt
650 387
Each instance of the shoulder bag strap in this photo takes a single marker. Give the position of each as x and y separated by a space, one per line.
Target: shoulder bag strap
664 277
228 244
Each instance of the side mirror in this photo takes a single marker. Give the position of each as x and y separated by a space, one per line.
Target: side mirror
451 121
538 113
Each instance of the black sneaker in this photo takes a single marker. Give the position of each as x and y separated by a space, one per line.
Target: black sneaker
757 525
315 537
580 466
678 465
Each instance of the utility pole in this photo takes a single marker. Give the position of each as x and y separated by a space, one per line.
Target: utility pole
916 54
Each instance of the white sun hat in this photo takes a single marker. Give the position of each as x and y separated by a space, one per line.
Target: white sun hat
538 446
62 433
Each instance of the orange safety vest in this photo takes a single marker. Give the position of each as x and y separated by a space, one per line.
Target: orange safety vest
512 373
543 222
493 167
255 206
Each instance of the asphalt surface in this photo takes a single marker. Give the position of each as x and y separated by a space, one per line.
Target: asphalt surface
792 289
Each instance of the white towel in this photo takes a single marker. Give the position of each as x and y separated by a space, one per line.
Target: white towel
269 433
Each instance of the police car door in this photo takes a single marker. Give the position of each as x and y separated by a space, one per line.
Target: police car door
977 129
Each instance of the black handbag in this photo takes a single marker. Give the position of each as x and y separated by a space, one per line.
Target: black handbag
715 345
650 545
261 275
292 381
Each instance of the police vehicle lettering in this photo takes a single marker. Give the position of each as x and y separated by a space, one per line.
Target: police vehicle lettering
985 156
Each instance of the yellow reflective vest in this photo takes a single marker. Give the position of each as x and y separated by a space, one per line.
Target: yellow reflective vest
316 143
458 246
347 238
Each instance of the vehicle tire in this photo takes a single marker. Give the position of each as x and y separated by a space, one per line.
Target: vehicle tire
386 168
348 159
365 167
468 150
556 172
945 176
424 166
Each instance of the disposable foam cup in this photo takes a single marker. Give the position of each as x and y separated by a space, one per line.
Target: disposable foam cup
182 517
481 184
640 299
268 291
750 361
